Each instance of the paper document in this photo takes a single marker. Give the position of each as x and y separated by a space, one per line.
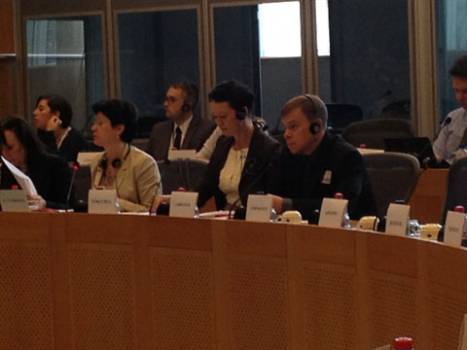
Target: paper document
23 180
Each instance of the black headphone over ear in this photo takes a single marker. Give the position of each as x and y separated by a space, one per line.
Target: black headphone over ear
315 127
186 107
241 114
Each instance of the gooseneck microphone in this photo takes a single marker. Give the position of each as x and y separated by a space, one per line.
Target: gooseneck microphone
74 166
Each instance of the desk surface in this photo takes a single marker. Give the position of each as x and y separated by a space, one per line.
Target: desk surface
73 281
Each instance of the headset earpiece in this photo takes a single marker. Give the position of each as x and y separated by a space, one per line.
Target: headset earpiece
186 107
241 114
315 128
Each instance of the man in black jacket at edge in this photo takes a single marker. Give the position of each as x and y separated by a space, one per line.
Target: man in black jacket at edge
316 164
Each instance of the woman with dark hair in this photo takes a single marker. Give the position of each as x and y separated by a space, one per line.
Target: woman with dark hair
50 174
242 160
131 172
52 118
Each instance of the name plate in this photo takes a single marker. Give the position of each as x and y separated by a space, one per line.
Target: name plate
14 201
102 202
454 228
332 213
259 208
397 219
183 204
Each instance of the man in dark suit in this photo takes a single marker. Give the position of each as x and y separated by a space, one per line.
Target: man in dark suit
316 164
183 130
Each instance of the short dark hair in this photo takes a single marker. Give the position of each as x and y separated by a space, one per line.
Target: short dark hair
59 104
236 94
312 107
459 68
119 112
191 92
25 135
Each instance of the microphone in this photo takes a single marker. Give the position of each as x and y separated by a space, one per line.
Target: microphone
74 166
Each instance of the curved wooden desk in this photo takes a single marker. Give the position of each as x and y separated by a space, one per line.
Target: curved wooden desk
77 281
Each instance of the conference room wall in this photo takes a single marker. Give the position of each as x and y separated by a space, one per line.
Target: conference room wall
421 19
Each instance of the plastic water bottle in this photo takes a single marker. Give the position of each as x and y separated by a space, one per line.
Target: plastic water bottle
346 220
403 343
461 209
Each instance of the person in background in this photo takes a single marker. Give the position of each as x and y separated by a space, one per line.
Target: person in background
453 134
52 118
49 173
243 157
316 164
130 171
182 130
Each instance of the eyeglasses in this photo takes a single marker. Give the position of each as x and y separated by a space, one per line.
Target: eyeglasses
170 99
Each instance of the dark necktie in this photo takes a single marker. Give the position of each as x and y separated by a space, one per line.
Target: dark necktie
178 138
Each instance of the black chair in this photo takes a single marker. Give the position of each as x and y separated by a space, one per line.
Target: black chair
457 189
373 132
393 177
186 173
340 115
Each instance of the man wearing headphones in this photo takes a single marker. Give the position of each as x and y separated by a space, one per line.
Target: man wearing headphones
182 130
453 134
316 164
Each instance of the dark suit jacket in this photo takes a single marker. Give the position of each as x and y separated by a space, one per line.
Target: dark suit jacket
73 143
257 175
7 180
336 166
51 176
159 141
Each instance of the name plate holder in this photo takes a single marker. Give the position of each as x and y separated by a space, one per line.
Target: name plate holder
259 208
454 228
14 201
397 218
102 202
183 204
333 211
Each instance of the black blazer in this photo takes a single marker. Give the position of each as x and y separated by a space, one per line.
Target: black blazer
335 166
73 143
51 176
159 141
257 175
7 180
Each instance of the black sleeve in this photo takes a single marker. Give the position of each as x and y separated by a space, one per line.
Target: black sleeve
209 186
60 177
48 139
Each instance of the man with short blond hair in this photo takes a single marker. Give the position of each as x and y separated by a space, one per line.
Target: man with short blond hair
316 164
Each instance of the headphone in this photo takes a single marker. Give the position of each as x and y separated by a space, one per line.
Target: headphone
315 127
116 163
242 113
186 107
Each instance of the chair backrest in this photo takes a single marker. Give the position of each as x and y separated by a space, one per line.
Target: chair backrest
186 173
457 186
340 115
373 132
81 186
393 176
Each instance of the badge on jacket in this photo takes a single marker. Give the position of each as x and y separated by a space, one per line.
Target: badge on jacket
327 177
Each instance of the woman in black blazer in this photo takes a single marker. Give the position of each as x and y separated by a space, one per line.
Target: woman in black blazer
244 157
50 174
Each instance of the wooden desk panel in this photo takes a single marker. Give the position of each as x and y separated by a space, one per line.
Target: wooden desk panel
101 281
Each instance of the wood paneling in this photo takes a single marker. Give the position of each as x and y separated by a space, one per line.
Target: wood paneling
120 281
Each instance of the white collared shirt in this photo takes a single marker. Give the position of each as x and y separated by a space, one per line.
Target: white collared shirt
184 128
449 138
